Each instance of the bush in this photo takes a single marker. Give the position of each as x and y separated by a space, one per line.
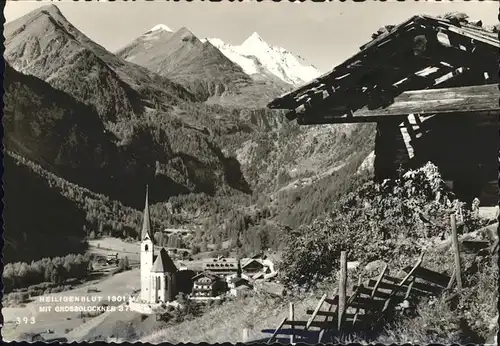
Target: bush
387 220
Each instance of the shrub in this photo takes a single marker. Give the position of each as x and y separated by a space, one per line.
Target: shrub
387 220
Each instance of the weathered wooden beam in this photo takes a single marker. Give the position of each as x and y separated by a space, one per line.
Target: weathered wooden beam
345 119
378 294
379 280
276 331
333 314
318 307
436 101
456 251
425 288
358 292
304 323
430 275
342 286
400 284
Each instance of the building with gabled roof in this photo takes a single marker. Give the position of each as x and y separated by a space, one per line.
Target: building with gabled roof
429 85
206 284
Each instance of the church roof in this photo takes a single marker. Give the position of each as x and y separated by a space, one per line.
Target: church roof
163 263
146 222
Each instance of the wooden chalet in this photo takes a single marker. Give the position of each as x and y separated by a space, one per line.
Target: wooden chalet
430 86
207 285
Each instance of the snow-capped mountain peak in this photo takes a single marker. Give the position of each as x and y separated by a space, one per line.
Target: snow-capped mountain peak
161 27
256 56
254 39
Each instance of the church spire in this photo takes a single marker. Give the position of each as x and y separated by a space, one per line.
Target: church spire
146 223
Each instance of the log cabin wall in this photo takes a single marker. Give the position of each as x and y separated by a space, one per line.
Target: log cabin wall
463 147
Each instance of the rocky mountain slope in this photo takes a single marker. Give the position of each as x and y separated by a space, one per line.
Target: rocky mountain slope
36 213
43 43
52 129
199 66
258 58
49 127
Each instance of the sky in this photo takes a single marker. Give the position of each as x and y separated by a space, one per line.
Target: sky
324 34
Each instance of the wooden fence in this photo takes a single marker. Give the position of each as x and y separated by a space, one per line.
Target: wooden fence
369 302
374 299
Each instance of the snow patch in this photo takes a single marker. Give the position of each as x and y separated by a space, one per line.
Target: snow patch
162 27
255 56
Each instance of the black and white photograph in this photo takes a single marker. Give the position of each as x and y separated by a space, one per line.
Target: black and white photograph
256 172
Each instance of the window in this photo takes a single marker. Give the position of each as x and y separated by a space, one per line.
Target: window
146 247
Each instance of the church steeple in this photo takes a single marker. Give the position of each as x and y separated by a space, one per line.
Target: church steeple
146 223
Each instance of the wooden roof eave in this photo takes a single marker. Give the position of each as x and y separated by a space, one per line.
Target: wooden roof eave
480 99
290 99
283 101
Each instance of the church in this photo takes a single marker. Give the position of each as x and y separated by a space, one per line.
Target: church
158 273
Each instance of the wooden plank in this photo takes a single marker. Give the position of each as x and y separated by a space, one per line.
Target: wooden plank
452 280
276 331
393 292
479 99
320 303
317 324
475 245
369 292
331 314
379 280
370 50
357 291
332 301
330 308
456 251
424 288
291 318
440 101
410 286
369 304
431 276
342 286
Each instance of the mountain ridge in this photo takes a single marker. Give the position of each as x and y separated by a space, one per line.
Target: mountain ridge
199 66
256 56
45 44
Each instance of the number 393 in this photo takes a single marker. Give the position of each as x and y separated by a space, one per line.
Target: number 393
25 320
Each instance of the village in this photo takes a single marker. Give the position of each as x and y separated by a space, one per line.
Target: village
177 272
162 279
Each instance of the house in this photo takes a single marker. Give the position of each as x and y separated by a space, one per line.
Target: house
429 86
257 267
221 266
240 287
253 266
206 284
238 281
